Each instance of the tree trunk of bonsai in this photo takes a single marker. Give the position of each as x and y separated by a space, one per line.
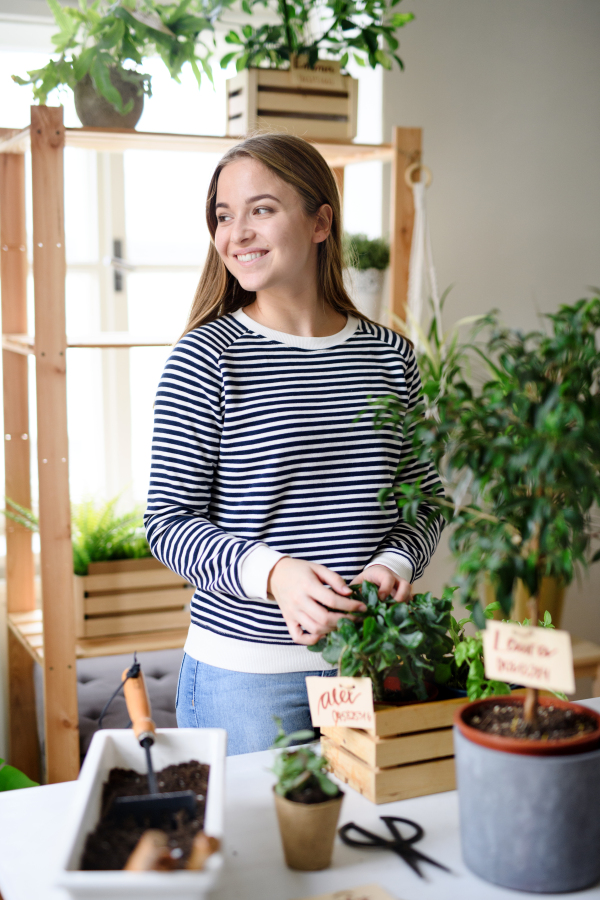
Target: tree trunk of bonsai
532 694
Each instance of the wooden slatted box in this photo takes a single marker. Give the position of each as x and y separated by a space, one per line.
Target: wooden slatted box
269 99
130 596
408 753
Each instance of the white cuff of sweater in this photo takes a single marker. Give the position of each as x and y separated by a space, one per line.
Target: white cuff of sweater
255 570
399 565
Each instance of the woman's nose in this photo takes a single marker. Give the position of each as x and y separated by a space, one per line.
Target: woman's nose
242 230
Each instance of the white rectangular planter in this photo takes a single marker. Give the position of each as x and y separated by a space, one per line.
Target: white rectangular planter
119 748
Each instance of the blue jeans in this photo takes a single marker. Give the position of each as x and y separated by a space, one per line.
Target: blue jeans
242 703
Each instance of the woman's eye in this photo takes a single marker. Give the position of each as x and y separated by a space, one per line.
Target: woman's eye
263 209
223 218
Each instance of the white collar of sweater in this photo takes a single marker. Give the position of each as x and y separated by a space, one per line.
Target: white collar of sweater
296 340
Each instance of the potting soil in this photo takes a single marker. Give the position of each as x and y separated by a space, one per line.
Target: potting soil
553 723
110 845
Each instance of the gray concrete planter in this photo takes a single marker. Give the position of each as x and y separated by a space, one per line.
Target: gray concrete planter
531 823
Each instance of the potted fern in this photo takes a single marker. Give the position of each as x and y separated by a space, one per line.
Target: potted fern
119 586
100 48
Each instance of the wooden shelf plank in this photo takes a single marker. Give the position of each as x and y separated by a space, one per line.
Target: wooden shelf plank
28 628
25 343
337 154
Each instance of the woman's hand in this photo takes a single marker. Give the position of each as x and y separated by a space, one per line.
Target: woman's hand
299 588
387 582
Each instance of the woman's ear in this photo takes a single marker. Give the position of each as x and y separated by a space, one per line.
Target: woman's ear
323 220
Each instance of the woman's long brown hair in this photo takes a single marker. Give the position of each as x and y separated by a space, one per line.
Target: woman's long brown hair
300 164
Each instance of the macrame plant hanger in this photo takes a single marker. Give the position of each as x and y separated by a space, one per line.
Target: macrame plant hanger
422 280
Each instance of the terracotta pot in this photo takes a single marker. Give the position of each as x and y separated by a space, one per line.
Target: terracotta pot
95 111
307 831
582 744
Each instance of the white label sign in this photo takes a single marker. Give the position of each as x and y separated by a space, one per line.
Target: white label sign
535 657
368 892
340 702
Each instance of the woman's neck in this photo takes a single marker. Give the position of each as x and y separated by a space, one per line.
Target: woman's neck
304 319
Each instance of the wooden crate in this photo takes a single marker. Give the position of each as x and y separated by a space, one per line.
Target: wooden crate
408 753
274 99
130 596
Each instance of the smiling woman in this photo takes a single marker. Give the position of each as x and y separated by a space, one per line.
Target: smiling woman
264 486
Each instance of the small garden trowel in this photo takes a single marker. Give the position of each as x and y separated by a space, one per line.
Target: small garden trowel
150 807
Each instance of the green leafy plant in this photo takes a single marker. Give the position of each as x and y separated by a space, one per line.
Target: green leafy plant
518 451
97 37
302 769
332 29
467 668
99 533
362 252
407 640
12 779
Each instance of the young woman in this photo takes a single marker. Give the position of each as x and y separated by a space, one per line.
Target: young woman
264 484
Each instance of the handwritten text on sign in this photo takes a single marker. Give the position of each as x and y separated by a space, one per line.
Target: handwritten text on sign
340 702
533 657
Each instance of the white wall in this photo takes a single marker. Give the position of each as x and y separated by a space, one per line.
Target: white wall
508 96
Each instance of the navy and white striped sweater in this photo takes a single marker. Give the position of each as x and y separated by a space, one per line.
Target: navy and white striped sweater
257 453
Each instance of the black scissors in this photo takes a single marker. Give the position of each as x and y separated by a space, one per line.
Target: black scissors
402 846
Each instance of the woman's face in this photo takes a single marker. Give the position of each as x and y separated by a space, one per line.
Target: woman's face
263 234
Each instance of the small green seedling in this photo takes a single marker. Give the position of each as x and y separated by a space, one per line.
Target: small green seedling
300 769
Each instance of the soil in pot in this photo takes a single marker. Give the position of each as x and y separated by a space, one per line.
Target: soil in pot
112 842
95 111
553 723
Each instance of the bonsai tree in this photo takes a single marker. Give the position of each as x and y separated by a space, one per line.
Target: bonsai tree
362 252
403 641
98 37
99 533
311 29
301 773
519 453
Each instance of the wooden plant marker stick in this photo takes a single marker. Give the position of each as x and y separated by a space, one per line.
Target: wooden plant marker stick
532 694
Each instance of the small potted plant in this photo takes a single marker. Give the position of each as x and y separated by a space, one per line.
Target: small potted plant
101 46
366 262
307 802
518 450
289 68
396 645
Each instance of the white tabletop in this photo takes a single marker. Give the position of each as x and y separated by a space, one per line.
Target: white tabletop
31 842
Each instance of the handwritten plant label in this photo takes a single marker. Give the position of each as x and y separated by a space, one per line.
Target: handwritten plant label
326 74
341 702
368 892
533 657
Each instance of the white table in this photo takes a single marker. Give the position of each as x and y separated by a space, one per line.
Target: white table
31 843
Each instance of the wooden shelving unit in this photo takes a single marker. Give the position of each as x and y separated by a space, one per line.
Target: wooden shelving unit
47 635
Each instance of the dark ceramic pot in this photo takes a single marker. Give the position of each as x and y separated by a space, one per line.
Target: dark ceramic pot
95 111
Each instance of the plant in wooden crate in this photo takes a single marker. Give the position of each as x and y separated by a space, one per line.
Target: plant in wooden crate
120 588
12 779
101 46
520 454
396 645
309 42
307 802
366 260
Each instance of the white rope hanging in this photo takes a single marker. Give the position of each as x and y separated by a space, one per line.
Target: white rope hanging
422 280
